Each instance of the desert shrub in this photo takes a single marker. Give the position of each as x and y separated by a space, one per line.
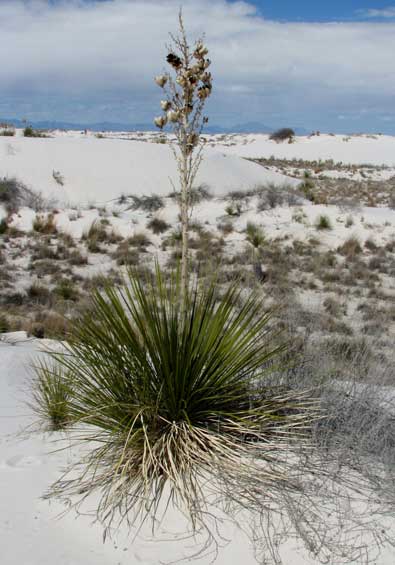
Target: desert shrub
13 298
269 197
168 388
96 234
51 392
39 294
207 247
199 194
196 195
225 227
334 307
351 247
77 258
11 193
157 225
139 240
282 134
3 226
44 224
48 324
323 222
255 235
29 131
349 221
370 244
234 208
4 324
7 132
66 290
307 189
125 255
149 204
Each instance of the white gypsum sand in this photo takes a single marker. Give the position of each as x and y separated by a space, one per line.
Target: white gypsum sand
100 170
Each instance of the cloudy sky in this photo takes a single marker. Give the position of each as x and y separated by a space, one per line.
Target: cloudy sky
325 65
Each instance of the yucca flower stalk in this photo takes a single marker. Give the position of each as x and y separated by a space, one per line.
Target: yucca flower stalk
186 91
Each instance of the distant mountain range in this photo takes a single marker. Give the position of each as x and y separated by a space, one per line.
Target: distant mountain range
248 127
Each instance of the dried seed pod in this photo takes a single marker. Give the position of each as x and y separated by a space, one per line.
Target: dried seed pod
161 80
174 60
173 116
165 105
160 121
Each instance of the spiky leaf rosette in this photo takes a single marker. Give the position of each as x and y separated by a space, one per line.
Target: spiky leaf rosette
170 397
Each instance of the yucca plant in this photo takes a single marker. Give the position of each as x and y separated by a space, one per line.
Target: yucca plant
173 396
51 392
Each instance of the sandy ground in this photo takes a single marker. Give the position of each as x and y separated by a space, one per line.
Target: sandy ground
362 149
99 170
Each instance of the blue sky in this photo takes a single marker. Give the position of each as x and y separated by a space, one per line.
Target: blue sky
325 66
320 10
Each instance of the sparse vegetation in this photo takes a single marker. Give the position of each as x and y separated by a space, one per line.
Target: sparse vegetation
29 131
149 204
282 134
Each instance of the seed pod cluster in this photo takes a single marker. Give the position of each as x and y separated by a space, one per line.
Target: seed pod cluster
195 83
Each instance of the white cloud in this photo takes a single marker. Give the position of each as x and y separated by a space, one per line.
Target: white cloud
381 13
74 58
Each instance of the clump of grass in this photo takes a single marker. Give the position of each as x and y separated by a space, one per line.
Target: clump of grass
349 221
125 255
255 235
44 224
39 294
139 240
282 134
225 227
7 132
3 226
4 324
150 204
52 390
157 225
323 223
66 290
96 234
29 131
351 247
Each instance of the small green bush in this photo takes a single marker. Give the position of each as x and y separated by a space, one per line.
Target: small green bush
44 224
149 204
255 235
282 134
323 223
31 132
7 132
3 226
158 226
4 324
351 247
51 392
66 290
